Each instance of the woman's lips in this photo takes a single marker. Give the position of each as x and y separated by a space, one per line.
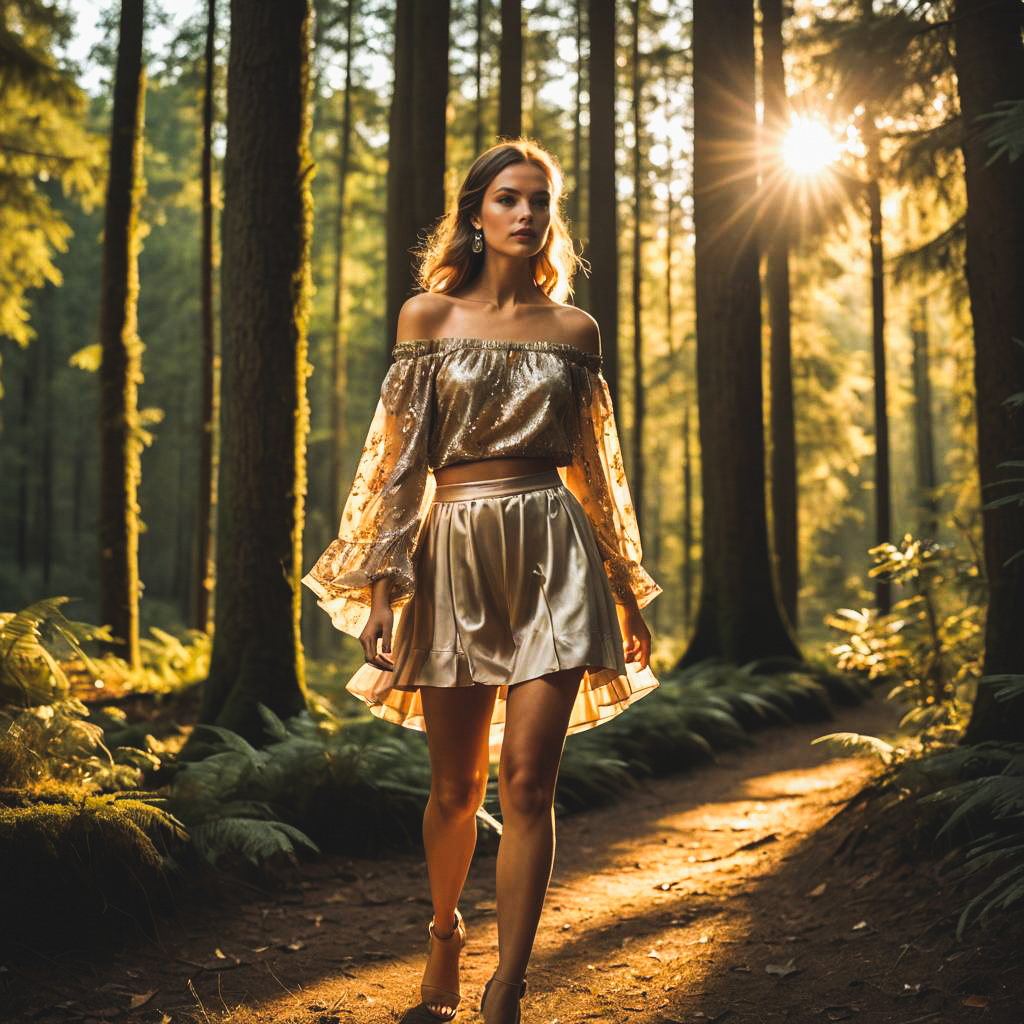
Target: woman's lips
525 235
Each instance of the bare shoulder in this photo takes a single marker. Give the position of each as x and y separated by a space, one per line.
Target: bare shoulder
577 327
423 316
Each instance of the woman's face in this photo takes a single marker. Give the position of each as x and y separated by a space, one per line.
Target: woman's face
515 213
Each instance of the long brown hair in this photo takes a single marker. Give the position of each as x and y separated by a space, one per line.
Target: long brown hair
447 260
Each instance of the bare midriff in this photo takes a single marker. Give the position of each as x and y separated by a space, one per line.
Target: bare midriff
492 469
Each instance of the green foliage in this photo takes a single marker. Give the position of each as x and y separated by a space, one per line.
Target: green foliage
45 731
1006 132
73 857
859 743
30 674
929 645
239 801
979 792
43 143
79 840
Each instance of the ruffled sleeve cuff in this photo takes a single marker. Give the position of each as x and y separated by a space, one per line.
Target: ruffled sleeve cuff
344 574
627 578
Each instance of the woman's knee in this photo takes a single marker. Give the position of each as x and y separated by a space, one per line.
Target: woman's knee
461 797
525 793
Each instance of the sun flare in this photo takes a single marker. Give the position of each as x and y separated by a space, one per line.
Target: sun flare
809 147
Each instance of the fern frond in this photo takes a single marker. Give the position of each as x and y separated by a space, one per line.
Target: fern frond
862 744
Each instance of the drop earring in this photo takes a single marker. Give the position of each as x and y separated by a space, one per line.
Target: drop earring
478 241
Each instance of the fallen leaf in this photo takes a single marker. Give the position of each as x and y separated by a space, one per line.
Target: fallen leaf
294 947
221 956
978 1001
782 970
654 955
142 998
859 925
818 889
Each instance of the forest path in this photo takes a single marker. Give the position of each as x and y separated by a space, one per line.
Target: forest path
712 896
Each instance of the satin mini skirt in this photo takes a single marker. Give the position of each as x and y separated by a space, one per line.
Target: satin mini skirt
510 586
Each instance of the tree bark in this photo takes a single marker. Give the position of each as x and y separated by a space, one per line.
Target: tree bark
637 481
989 65
782 424
416 143
575 204
257 655
602 226
510 88
883 488
739 617
121 366
203 572
924 442
478 80
339 351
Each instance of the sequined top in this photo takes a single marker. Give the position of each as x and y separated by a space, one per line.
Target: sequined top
450 400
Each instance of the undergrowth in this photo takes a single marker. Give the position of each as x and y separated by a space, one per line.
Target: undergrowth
964 798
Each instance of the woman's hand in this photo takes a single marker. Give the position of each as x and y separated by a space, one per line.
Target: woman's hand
636 637
379 625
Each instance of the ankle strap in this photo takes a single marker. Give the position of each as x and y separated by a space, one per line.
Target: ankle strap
456 925
521 985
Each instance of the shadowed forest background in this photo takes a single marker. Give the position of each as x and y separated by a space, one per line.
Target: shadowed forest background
804 226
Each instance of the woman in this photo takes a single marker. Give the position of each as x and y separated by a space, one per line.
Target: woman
513 593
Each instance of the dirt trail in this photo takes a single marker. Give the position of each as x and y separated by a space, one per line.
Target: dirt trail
712 896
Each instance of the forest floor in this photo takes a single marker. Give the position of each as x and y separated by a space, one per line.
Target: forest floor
730 894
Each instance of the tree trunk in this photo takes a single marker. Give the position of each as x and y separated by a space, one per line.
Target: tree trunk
602 217
315 626
510 87
478 78
636 476
416 143
46 341
924 442
203 572
990 67
257 655
883 504
121 369
688 567
676 362
575 204
739 617
339 351
883 501
780 376
25 434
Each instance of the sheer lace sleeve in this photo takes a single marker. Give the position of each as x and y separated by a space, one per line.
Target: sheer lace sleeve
391 491
597 478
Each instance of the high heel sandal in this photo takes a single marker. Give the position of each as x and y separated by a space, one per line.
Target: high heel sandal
510 984
431 995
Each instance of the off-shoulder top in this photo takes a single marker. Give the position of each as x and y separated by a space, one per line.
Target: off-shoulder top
450 400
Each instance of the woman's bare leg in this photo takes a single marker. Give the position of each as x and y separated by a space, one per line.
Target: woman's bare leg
458 721
536 717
